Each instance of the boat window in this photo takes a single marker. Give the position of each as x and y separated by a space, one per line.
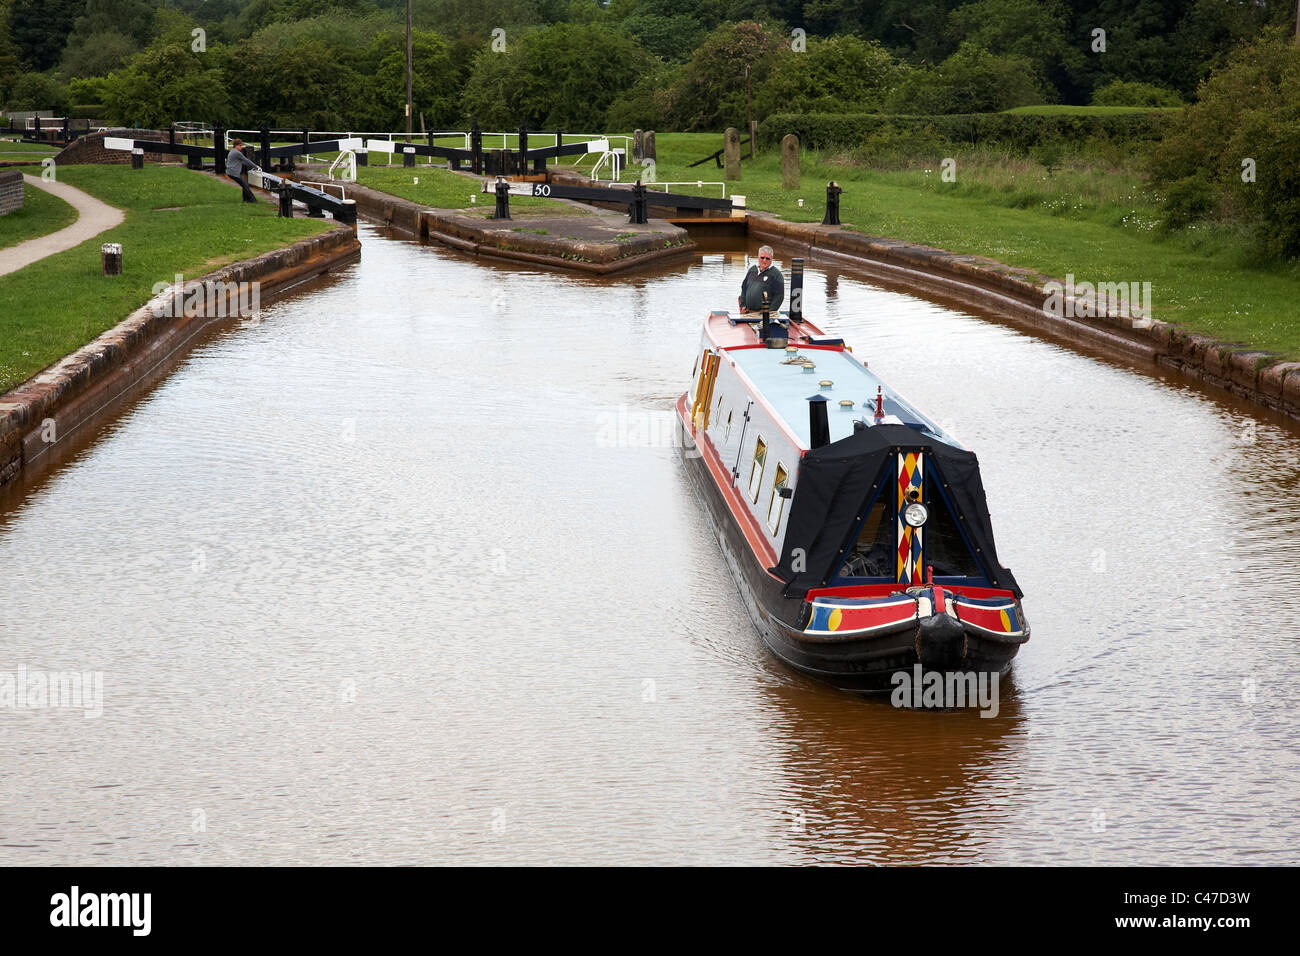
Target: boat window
726 436
717 411
776 506
872 554
944 548
756 470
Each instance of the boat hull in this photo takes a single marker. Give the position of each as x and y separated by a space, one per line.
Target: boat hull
863 663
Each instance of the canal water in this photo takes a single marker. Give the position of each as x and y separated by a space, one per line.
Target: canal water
409 572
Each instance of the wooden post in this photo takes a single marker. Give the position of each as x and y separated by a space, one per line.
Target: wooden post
523 148
476 149
218 149
638 140
731 148
648 147
110 256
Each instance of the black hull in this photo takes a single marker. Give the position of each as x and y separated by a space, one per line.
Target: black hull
859 665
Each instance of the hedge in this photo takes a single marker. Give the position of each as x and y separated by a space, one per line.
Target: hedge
1015 131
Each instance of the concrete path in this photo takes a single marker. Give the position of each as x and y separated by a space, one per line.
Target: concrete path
93 218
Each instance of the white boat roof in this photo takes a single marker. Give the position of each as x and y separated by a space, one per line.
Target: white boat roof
786 386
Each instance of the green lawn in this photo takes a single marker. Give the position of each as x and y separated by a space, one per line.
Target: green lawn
55 306
14 150
41 214
1088 219
443 189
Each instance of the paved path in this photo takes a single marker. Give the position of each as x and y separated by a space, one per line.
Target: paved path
92 219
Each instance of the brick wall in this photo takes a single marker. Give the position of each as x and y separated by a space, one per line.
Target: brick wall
11 190
90 149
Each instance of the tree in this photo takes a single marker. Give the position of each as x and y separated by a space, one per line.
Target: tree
1235 147
711 93
842 74
40 28
564 75
972 80
433 92
169 81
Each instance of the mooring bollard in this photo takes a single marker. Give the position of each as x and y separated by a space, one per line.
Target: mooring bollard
503 200
363 157
476 150
286 204
408 157
636 212
137 158
349 214
110 254
832 217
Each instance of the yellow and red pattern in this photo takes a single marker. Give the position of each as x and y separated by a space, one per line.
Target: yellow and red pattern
910 557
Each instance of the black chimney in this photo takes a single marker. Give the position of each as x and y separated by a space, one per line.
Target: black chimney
796 290
819 426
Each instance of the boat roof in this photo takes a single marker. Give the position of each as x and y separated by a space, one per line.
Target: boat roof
786 386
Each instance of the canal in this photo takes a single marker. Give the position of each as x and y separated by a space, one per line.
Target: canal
409 572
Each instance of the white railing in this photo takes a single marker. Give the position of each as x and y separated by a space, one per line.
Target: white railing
699 183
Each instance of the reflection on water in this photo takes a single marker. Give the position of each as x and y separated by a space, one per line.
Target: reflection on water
410 573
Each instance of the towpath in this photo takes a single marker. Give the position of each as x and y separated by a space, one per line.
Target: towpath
93 217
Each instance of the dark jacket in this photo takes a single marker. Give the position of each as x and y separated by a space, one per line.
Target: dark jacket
756 283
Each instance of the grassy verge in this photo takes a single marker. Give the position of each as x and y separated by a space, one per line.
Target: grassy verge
442 189
14 150
177 221
1091 218
41 214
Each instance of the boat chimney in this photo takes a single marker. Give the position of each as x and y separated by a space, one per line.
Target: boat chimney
819 426
880 405
796 290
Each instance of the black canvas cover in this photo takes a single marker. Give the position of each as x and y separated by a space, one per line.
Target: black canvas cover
837 480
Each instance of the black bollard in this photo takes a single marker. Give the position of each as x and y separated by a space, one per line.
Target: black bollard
218 150
286 203
796 289
637 208
408 157
476 149
832 217
137 158
193 161
264 159
363 157
110 256
503 200
523 149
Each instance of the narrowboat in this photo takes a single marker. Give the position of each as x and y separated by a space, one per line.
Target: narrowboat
856 529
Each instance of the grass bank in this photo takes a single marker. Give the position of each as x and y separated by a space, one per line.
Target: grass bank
177 221
41 214
1091 217
443 189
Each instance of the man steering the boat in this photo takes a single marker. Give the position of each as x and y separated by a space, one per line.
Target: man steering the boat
764 277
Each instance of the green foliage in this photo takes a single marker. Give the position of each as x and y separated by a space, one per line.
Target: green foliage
564 75
843 74
1246 118
1126 93
972 80
1016 132
37 91
169 81
433 83
40 28
646 104
711 92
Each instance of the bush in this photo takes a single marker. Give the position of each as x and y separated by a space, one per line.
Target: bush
1015 132
1122 93
35 91
972 80
842 74
1239 143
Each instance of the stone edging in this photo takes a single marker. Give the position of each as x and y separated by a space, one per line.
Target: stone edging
79 387
1236 368
468 235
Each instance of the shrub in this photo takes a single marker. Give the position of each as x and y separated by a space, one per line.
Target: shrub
1124 93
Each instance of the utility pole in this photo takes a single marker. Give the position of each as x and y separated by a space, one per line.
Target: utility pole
408 69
